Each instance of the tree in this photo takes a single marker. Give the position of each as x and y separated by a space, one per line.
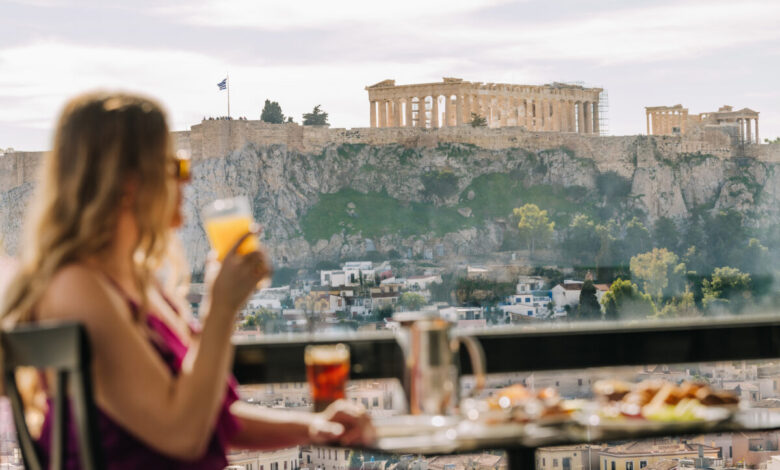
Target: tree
385 312
250 322
665 234
534 226
316 118
581 242
272 113
411 300
477 120
728 287
654 269
637 239
589 308
623 300
681 306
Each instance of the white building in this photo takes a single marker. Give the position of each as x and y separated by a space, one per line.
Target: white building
422 282
328 458
456 314
282 459
567 293
526 284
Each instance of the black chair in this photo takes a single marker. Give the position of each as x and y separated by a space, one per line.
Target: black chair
63 348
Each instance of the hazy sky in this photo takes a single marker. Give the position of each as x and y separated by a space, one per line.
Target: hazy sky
702 54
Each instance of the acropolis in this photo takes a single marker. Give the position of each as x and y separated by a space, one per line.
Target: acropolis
556 107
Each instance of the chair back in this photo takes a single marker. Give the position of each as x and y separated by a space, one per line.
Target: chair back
63 348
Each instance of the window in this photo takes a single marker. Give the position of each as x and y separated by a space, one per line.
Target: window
543 461
579 382
642 463
629 465
555 463
346 455
285 465
376 402
613 465
566 463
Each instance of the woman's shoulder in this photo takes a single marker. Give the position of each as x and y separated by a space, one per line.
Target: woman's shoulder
77 292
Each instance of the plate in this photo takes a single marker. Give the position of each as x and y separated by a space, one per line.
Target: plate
413 425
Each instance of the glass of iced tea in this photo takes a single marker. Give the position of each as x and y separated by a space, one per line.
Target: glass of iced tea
327 370
226 220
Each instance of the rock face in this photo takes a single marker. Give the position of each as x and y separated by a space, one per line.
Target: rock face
285 184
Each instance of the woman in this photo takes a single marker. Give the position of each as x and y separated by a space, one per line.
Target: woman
100 229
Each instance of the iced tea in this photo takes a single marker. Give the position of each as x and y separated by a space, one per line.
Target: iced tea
327 370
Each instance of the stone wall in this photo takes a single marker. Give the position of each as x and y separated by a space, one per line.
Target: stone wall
218 138
215 139
17 168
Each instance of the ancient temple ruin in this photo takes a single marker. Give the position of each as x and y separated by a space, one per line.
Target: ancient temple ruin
741 125
557 107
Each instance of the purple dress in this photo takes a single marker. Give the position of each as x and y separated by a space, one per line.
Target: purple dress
122 450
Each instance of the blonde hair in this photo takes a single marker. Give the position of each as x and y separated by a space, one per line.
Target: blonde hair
103 142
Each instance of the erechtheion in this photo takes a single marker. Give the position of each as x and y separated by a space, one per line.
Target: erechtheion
675 120
557 107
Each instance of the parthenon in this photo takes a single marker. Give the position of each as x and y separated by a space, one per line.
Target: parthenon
557 107
675 120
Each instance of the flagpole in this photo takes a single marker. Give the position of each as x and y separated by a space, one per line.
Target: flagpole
228 97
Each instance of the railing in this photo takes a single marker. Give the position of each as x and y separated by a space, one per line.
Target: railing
375 355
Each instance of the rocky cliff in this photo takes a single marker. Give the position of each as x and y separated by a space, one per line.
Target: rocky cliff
449 199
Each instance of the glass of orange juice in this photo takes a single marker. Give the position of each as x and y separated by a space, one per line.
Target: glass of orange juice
226 221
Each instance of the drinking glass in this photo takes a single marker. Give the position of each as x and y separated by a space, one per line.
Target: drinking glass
327 370
226 220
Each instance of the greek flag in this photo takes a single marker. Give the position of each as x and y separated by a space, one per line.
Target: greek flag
223 84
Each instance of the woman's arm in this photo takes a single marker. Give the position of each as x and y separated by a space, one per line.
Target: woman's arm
174 415
267 428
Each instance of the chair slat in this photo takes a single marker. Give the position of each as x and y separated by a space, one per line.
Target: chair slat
29 454
65 349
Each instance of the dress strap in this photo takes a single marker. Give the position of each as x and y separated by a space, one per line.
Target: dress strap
135 308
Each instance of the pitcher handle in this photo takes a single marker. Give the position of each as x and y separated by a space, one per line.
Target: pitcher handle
477 356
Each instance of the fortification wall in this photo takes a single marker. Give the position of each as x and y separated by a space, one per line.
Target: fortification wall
215 139
17 168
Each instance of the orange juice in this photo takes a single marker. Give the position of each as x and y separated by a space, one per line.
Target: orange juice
224 232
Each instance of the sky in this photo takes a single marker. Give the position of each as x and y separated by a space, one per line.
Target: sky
699 53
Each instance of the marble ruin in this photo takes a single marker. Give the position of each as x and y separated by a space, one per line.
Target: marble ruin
742 124
558 107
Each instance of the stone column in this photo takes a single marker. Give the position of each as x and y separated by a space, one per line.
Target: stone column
580 118
408 112
541 114
435 111
749 131
382 113
447 111
529 114
460 109
503 108
588 117
372 113
397 111
421 117
758 141
647 118
596 125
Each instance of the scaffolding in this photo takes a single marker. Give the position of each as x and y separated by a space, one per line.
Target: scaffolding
603 112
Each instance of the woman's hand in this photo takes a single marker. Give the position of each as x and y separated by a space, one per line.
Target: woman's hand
238 276
343 423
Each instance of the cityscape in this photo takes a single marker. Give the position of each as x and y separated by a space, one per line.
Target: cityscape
534 168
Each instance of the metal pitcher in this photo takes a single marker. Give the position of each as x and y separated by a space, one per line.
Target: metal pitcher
431 371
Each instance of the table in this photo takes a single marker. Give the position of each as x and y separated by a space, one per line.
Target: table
520 442
376 355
